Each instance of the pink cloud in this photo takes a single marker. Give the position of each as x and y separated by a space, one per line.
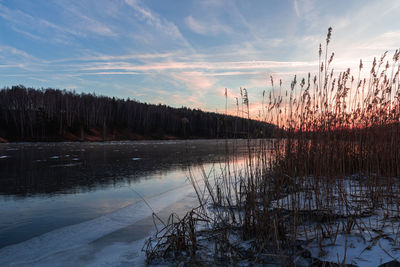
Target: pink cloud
175 65
195 80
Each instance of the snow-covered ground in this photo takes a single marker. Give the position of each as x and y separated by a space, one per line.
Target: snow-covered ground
362 231
357 250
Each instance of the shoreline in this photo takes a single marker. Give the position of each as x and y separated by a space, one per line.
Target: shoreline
4 141
305 226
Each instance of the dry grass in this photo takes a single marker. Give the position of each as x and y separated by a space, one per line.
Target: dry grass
333 168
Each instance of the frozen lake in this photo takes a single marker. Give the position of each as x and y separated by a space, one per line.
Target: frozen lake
81 202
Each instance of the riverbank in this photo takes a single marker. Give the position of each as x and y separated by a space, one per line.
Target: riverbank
320 223
94 135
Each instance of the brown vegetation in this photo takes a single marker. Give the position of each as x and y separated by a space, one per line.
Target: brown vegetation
321 181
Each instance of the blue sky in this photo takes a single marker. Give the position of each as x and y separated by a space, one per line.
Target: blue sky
184 53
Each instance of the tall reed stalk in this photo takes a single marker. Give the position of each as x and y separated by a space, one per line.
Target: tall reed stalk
333 166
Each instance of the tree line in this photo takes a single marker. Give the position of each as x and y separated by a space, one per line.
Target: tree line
29 114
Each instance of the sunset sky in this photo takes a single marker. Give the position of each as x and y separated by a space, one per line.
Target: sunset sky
184 53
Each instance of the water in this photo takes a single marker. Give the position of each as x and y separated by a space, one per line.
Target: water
52 187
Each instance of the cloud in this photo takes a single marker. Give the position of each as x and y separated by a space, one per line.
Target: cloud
207 66
195 80
233 73
23 20
385 41
111 73
16 59
82 20
308 11
38 28
28 34
102 57
206 28
96 27
155 20
15 51
296 8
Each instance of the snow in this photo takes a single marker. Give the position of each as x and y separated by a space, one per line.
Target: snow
136 158
374 238
377 242
3 157
54 157
357 251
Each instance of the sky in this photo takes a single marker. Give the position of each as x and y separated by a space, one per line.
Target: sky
185 52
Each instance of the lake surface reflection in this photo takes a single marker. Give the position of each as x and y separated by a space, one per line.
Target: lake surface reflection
46 186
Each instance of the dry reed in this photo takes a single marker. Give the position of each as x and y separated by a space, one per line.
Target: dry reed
331 172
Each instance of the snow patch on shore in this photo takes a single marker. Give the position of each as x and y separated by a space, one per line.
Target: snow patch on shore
353 249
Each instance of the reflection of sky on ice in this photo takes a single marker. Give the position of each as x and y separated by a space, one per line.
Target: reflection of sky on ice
73 244
71 195
32 215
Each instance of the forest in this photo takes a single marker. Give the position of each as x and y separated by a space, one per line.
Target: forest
29 114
